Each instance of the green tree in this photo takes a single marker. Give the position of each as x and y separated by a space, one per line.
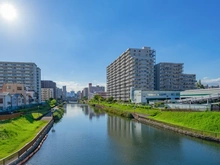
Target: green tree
199 85
110 99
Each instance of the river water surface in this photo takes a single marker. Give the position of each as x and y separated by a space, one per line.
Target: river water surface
84 137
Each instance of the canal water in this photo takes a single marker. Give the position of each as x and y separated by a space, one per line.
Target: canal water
84 137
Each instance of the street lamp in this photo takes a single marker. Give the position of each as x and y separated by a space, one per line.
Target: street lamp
38 111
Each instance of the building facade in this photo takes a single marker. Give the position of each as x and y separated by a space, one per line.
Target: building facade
25 73
94 89
140 96
133 68
50 84
85 92
64 92
5 101
188 81
59 93
170 77
47 93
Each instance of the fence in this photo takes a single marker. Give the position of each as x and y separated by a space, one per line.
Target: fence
9 116
28 147
197 107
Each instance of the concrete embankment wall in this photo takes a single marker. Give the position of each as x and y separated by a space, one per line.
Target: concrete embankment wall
200 134
29 148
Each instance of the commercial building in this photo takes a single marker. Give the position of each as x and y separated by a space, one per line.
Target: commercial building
47 93
133 68
140 96
50 84
170 77
25 73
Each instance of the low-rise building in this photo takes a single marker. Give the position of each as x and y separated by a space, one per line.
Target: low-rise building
14 89
140 96
5 101
17 100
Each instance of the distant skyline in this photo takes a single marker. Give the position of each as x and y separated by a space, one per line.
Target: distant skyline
73 41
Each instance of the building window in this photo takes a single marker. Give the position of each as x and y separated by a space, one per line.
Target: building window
19 88
8 87
1 100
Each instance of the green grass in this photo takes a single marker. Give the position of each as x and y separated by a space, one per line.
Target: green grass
15 133
203 121
208 122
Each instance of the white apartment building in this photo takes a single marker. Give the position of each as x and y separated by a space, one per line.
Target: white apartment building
47 93
169 77
133 68
26 73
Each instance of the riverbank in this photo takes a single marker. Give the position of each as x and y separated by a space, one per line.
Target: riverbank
17 132
200 124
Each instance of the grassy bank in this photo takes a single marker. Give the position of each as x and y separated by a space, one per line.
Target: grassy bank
58 114
15 133
201 121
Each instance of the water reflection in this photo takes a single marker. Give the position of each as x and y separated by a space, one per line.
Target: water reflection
88 111
80 139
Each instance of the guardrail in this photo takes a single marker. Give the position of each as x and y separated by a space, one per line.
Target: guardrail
29 146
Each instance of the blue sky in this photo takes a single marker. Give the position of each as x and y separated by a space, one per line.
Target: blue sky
73 41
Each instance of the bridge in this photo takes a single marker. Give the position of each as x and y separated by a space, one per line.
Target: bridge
72 100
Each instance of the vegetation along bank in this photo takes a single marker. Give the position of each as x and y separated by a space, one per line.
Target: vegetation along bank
205 124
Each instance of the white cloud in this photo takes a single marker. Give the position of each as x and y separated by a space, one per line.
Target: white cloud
211 81
71 85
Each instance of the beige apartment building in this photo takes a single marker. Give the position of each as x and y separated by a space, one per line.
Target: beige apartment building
14 89
25 73
133 68
47 93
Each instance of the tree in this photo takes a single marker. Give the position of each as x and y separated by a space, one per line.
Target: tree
110 99
97 98
199 85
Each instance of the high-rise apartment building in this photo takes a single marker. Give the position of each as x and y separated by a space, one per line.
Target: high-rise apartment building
133 68
188 81
85 92
50 84
170 77
25 73
64 92
59 93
